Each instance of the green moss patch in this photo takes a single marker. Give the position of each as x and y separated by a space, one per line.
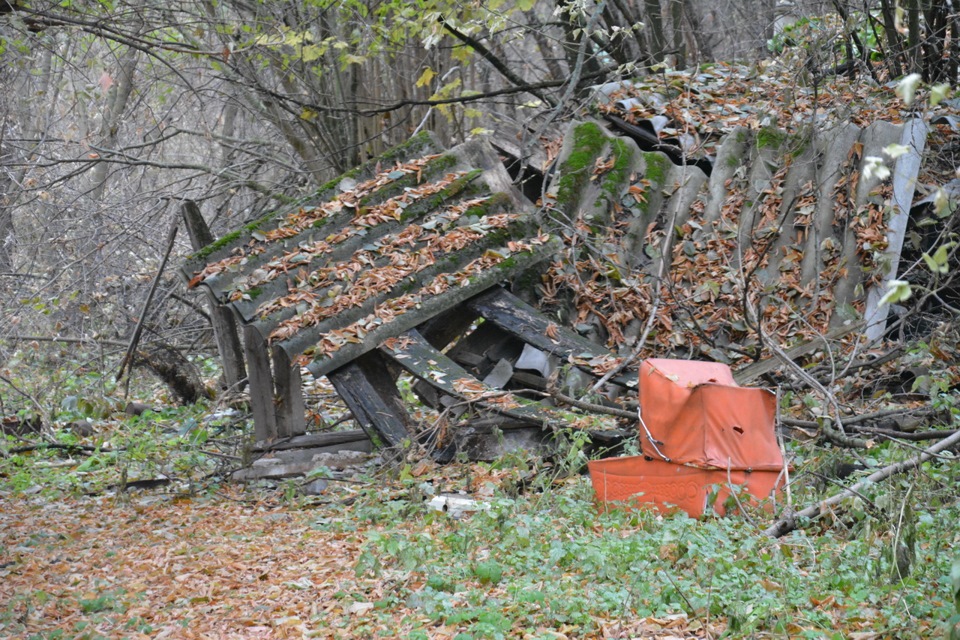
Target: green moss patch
617 177
588 143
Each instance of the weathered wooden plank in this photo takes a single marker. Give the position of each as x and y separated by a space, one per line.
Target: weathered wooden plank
222 320
261 385
288 398
371 394
317 440
516 317
417 356
440 331
285 464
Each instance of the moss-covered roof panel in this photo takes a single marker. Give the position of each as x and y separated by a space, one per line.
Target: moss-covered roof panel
386 242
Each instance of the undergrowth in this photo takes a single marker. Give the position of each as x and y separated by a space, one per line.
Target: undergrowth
551 560
538 558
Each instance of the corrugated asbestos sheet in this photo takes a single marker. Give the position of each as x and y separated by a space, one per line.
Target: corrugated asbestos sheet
377 252
800 228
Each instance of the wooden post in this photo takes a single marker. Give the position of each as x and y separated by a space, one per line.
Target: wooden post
288 396
224 324
261 385
371 394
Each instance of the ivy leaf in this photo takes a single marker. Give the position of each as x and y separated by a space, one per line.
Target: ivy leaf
897 291
312 52
426 77
907 88
938 93
525 5
488 572
350 58
937 263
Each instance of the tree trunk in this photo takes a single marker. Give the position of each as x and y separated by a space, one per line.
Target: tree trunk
7 234
913 35
679 41
657 40
117 98
544 45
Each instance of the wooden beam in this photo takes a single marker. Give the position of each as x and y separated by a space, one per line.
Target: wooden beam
261 385
516 317
478 352
313 440
221 318
371 394
288 395
417 356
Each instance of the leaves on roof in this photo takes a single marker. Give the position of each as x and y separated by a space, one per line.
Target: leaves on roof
391 308
702 105
306 217
348 284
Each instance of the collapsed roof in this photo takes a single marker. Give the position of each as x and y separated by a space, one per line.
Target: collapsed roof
374 253
792 227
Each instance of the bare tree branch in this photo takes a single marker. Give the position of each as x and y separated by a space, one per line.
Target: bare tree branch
794 520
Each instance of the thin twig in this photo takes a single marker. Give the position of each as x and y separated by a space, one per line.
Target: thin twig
498 64
26 395
65 340
591 407
833 429
863 417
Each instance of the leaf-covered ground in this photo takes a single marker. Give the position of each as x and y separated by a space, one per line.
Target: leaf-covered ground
372 560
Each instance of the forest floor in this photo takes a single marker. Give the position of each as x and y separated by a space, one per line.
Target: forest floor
370 559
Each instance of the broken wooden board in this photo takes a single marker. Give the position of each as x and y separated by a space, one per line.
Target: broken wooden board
298 462
417 356
516 317
371 394
481 350
320 440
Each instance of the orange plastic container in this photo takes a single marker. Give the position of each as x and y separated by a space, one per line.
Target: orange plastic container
702 417
639 481
701 433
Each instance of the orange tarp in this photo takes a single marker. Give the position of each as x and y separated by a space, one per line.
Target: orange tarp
703 419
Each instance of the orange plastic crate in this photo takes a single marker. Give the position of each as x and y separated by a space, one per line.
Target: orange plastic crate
667 486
